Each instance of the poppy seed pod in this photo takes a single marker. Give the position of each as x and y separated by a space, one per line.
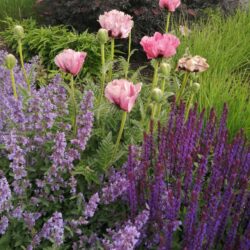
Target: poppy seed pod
157 95
165 69
10 61
102 36
19 32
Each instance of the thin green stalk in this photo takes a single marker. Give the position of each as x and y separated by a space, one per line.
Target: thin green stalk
112 58
103 71
73 100
155 77
152 117
20 50
190 101
13 83
168 21
183 85
163 83
154 84
123 121
129 55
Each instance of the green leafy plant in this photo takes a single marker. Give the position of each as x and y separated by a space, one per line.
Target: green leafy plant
47 42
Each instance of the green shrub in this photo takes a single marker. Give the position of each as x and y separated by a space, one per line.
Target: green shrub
47 42
225 44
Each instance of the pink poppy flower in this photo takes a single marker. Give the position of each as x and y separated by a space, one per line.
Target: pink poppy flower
160 45
171 5
122 93
70 61
117 23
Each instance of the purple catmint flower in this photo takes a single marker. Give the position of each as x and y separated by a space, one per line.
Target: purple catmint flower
17 212
58 156
16 155
4 223
31 218
116 187
91 206
5 194
85 121
53 229
72 184
129 234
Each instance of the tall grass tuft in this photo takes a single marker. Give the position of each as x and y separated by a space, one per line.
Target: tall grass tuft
225 44
16 9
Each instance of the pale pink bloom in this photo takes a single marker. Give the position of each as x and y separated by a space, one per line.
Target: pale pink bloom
171 5
193 64
117 23
122 93
70 61
160 45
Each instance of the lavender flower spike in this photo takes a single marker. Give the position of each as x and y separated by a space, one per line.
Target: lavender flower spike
91 206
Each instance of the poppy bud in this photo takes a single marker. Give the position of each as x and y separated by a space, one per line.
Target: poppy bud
195 86
157 95
165 69
19 32
10 61
102 36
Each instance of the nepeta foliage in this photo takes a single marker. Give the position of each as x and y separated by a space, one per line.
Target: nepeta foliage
37 139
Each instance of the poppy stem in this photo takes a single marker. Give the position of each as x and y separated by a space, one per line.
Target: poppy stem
163 83
13 83
73 100
190 101
183 85
103 71
155 77
154 84
112 58
168 21
123 121
20 50
129 55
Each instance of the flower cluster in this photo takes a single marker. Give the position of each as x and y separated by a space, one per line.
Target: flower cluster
39 145
183 174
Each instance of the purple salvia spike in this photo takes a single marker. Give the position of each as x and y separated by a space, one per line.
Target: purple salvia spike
132 193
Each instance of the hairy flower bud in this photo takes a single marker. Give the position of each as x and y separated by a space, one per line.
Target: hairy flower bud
102 36
165 69
19 32
157 95
10 61
195 86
